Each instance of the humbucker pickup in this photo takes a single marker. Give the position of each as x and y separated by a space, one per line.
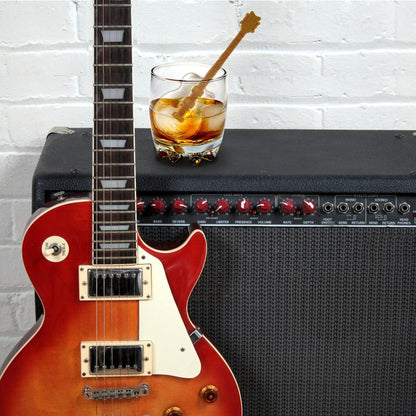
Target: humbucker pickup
115 283
116 358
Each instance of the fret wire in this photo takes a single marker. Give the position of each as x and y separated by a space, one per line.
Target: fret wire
112 212
121 135
112 5
115 222
112 46
107 65
104 250
113 26
113 119
98 164
115 232
113 102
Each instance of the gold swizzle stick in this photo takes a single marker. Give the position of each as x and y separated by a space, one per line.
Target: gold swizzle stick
248 24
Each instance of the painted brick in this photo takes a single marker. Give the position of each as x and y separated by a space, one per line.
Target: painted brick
16 171
21 211
273 117
7 343
12 275
323 22
405 21
386 116
6 225
37 21
368 73
39 119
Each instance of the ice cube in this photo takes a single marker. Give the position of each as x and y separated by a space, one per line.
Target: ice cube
173 128
213 117
184 90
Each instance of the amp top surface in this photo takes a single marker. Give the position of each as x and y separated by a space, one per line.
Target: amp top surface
291 161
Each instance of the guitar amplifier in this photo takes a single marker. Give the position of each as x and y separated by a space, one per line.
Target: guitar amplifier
309 288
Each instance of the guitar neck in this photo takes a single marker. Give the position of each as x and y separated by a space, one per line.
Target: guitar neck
114 171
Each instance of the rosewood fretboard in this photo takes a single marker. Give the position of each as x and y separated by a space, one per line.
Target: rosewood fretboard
113 183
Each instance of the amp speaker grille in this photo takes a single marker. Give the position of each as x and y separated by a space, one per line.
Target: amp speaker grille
312 320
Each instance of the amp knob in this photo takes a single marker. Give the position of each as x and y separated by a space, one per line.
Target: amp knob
264 206
201 205
179 206
222 206
287 206
243 206
308 206
157 206
139 205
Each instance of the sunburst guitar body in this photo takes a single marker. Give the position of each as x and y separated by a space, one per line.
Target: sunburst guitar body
156 362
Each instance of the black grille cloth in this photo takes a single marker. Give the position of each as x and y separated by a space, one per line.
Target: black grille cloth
312 320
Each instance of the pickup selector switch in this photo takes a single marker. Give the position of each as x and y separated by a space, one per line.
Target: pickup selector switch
222 206
201 205
264 206
287 206
157 206
308 206
179 206
243 206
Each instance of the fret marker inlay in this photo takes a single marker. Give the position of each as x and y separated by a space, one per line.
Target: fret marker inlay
119 207
113 93
107 246
112 35
114 227
113 183
111 143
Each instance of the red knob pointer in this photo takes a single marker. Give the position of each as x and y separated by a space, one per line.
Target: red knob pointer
201 205
179 206
157 206
222 206
243 205
287 206
264 206
140 205
308 206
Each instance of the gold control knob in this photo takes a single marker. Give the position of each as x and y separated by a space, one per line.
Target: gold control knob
209 393
173 411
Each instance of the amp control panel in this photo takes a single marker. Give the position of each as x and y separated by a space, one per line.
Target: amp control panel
277 209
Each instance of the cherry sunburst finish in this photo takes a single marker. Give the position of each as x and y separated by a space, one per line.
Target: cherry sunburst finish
115 338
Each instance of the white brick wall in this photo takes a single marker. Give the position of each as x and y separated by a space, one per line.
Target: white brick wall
347 64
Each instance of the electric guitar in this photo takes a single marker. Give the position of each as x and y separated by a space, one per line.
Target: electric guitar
115 337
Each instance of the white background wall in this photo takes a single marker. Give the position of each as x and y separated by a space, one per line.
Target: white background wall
318 64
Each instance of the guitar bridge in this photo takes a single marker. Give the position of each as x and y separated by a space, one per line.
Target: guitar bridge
115 283
118 393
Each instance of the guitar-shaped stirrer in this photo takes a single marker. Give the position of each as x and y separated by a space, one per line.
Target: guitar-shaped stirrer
248 24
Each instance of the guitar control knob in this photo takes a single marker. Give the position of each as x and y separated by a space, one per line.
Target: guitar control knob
264 206
140 205
308 206
201 205
157 206
222 206
179 206
287 206
209 393
173 411
243 206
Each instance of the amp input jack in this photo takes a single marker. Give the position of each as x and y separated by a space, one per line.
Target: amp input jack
327 207
404 208
389 207
358 208
343 207
373 208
